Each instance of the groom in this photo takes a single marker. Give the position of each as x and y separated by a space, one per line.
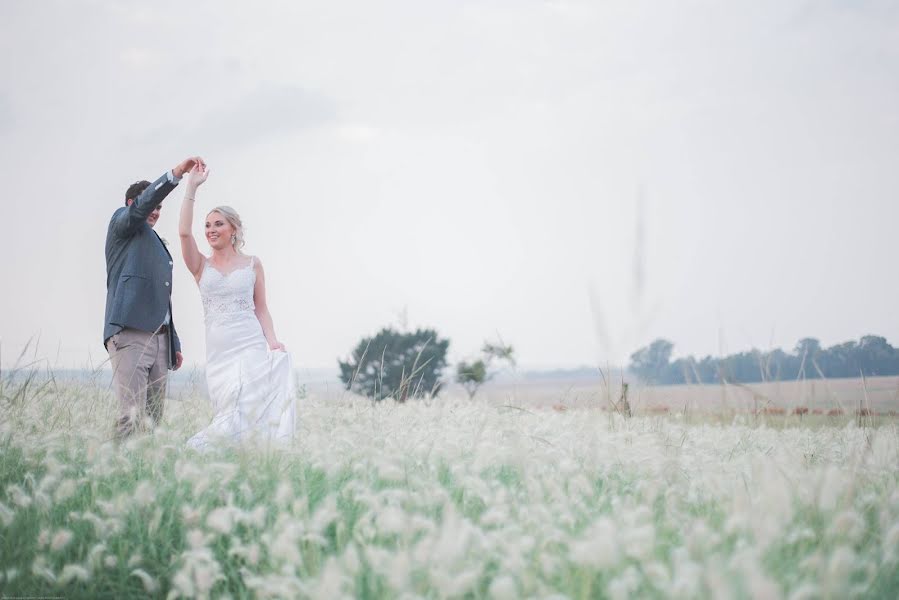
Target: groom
139 332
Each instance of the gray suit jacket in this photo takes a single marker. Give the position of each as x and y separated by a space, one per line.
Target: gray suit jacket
139 269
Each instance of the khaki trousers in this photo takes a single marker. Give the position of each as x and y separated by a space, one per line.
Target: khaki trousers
140 365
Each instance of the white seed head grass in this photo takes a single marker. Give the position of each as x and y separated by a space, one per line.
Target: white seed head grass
60 540
426 496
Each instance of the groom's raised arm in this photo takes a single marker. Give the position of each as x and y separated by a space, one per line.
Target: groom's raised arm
127 221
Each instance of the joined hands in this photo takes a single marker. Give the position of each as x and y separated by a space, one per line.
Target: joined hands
186 165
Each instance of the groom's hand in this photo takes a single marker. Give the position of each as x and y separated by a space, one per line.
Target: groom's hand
186 165
179 360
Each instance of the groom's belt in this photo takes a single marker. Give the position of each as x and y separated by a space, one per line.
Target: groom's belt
163 328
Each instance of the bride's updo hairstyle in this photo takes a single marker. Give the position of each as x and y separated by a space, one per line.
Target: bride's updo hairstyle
234 219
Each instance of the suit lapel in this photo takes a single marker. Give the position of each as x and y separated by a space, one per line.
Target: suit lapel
161 243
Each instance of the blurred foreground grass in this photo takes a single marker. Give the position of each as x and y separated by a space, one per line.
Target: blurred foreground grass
441 499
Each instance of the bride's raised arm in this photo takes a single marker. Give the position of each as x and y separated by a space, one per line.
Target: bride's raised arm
189 250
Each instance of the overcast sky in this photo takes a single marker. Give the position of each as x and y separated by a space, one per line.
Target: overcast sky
577 177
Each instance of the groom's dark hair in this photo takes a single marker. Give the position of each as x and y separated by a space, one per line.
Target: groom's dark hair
134 190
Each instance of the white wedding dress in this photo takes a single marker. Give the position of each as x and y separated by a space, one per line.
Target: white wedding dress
251 387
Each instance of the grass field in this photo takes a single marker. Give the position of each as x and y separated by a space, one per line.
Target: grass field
447 499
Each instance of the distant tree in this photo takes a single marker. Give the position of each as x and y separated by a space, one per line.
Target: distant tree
395 364
475 374
651 362
471 376
708 370
808 346
682 370
780 366
807 349
840 360
876 356
743 366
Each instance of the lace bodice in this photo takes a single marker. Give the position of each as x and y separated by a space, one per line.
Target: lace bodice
227 293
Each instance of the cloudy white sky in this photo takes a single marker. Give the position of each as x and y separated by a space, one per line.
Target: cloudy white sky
577 177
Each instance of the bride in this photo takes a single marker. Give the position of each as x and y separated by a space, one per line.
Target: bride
248 370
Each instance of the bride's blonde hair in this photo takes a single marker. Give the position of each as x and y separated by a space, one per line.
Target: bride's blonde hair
234 219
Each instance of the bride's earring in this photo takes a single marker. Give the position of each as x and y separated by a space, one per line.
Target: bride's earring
233 238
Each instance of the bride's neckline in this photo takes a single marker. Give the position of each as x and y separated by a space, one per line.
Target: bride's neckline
224 273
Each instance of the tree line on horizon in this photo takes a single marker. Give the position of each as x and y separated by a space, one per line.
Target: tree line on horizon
871 356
